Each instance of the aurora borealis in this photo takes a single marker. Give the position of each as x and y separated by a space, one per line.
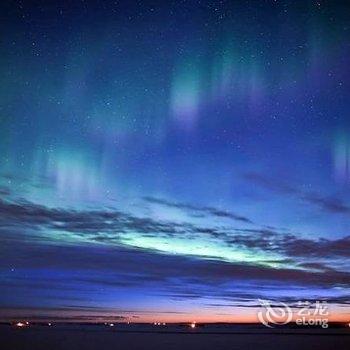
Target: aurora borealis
173 160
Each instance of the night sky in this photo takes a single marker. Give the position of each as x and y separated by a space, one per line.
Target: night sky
173 160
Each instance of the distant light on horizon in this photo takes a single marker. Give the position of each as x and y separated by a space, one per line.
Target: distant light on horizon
22 324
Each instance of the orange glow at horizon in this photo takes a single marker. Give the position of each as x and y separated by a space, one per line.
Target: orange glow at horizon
228 315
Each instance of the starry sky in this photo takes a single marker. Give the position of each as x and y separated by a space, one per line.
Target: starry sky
173 160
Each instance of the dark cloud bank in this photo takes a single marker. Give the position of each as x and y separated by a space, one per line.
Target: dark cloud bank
26 227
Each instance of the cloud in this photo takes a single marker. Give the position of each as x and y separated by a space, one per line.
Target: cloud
201 209
329 204
294 246
37 266
118 266
107 226
27 214
4 191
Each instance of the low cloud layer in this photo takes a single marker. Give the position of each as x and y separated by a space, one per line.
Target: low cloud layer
39 263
